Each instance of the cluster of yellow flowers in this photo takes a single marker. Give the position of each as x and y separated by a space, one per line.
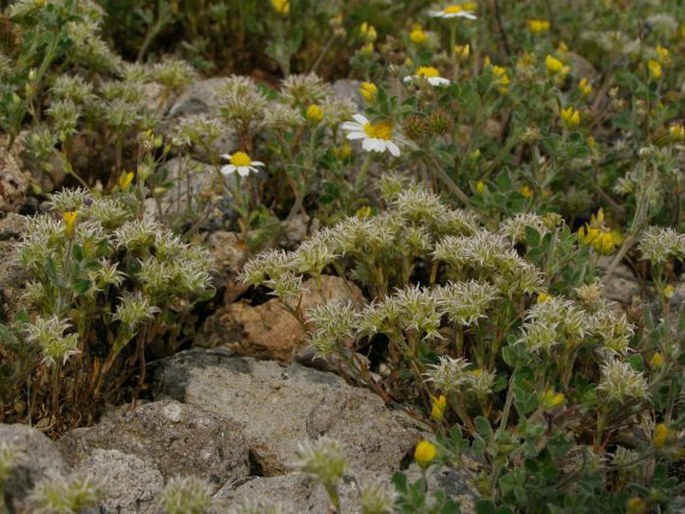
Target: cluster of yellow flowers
537 26
282 7
598 236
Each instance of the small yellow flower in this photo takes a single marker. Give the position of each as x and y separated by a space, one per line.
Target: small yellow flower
424 453
69 219
543 297
282 7
418 36
462 52
657 360
369 32
343 151
663 55
553 64
661 435
526 191
570 116
480 187
124 180
367 49
314 113
654 68
537 26
636 505
501 78
677 131
368 90
438 407
364 212
668 292
550 400
585 87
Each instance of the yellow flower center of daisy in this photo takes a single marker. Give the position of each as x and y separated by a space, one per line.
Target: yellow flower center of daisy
380 130
240 159
453 9
427 72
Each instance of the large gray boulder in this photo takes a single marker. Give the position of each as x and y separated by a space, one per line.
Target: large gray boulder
280 407
173 438
37 458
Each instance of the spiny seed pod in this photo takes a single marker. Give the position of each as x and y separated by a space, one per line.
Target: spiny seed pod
440 123
416 128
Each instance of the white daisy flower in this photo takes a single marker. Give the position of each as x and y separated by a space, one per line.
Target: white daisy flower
240 162
376 137
452 11
428 73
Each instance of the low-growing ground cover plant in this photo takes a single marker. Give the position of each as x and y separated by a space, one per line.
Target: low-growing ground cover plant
535 148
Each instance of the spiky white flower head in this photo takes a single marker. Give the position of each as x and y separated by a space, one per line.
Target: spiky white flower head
452 11
428 74
241 163
376 137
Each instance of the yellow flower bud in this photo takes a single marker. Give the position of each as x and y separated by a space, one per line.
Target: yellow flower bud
526 191
424 453
282 7
661 435
585 87
654 68
368 90
369 32
657 360
553 64
570 116
537 26
550 400
69 219
438 407
418 36
636 505
314 113
124 180
480 187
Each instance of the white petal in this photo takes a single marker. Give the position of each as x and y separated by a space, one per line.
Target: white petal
367 144
356 135
468 15
408 79
351 125
394 149
243 171
225 156
256 163
378 145
361 119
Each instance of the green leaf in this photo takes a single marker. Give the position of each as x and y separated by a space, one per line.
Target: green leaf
81 286
399 480
483 428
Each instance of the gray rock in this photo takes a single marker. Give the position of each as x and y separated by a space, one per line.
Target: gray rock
294 493
456 483
174 438
622 285
13 183
199 98
281 407
348 89
131 484
38 458
189 179
12 276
